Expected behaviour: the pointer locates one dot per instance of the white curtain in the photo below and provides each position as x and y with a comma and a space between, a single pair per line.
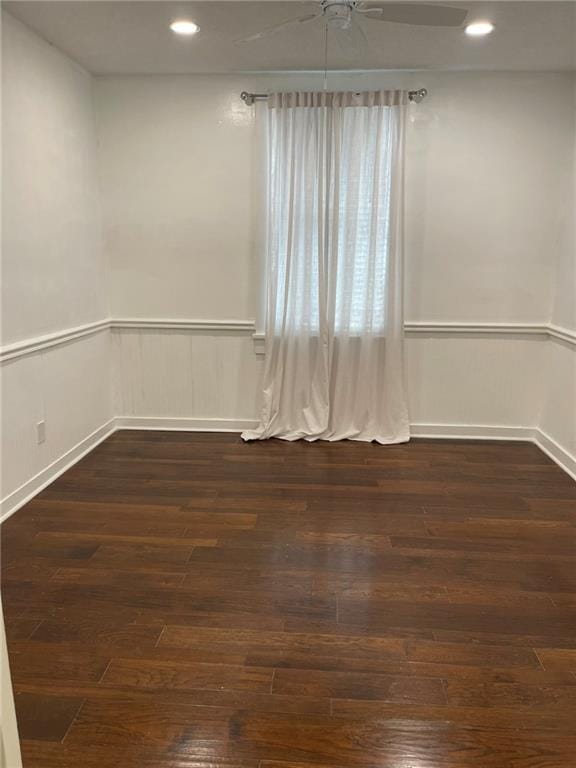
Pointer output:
334, 253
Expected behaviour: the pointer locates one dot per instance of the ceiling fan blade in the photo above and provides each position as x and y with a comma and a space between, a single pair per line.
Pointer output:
415, 13
277, 27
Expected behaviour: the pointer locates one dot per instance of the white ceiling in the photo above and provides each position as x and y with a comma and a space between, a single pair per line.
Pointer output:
134, 38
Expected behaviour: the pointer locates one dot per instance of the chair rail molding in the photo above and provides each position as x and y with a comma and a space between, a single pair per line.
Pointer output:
433, 328
39, 343
538, 331
144, 324
35, 344
562, 334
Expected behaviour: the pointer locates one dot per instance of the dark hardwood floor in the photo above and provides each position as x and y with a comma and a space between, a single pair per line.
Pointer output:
187, 600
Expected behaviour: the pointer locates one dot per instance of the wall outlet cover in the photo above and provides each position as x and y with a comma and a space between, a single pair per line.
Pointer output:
41, 431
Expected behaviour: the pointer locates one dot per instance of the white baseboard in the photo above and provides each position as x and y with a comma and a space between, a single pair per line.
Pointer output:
550, 447
184, 424
9, 504
555, 451
446, 431
472, 432
438, 431
32, 487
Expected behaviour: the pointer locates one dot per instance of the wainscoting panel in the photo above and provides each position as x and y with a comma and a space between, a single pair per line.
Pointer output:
68, 387
558, 417
185, 374
196, 376
475, 379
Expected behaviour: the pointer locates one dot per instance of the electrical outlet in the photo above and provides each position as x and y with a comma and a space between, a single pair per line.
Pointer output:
41, 431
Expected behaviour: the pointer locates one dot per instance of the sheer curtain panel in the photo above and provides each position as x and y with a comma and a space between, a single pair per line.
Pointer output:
334, 255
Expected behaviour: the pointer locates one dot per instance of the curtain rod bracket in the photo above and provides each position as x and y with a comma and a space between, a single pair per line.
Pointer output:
249, 98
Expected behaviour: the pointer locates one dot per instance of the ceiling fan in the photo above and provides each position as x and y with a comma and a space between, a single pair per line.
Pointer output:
345, 15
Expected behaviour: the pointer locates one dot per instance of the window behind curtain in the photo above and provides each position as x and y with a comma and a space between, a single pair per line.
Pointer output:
341, 179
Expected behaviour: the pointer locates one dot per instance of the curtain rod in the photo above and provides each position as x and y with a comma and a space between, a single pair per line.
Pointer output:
250, 98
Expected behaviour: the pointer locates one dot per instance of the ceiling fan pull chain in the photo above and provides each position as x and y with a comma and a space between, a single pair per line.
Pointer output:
326, 56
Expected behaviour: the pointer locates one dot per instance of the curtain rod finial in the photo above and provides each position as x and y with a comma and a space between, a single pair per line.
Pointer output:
418, 96
247, 98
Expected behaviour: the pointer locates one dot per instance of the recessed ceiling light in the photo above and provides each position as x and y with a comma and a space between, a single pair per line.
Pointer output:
479, 28
184, 27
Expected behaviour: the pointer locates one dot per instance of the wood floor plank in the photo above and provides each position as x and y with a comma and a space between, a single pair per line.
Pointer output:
496, 718
358, 685
187, 600
141, 673
557, 658
51, 755
117, 634
282, 642
461, 693
473, 654
503, 619
45, 718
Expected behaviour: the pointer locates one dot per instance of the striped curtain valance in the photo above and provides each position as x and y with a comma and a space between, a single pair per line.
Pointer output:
297, 99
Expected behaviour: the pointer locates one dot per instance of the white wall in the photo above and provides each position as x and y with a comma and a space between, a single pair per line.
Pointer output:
52, 232
53, 267
564, 286
558, 418
484, 163
487, 160
486, 169
175, 165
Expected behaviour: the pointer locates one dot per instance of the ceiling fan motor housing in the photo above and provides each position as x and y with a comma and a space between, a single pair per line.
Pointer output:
338, 12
